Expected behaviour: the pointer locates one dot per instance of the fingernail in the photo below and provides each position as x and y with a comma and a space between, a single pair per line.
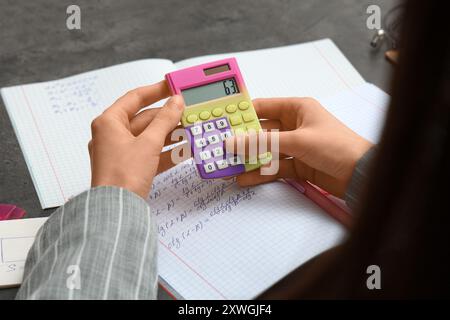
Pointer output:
177, 100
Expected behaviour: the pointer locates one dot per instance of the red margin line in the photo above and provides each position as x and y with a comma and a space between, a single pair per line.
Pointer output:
342, 79
198, 274
43, 143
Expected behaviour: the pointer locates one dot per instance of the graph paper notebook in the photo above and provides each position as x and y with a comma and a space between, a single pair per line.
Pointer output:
219, 241
52, 119
215, 239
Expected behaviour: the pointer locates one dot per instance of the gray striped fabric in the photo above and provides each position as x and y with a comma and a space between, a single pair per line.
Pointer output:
100, 245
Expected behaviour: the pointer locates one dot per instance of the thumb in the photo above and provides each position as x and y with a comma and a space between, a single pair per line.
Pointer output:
166, 119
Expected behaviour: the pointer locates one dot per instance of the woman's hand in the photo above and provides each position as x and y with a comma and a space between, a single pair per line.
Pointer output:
125, 149
322, 149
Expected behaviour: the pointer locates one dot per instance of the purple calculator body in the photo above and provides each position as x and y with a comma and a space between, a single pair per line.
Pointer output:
208, 149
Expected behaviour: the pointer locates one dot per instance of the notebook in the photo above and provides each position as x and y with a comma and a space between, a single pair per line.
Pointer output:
219, 241
52, 119
216, 241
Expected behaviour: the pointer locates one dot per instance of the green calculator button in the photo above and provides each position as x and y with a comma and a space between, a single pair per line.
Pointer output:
253, 127
243, 105
217, 112
249, 116
231, 108
191, 118
235, 120
239, 131
204, 115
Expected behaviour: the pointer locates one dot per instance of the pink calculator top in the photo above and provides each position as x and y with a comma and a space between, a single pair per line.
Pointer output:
203, 74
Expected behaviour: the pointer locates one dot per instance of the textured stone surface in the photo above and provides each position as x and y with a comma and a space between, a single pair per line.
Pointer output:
35, 45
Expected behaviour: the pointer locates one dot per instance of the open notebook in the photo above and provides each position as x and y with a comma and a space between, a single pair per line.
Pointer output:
216, 240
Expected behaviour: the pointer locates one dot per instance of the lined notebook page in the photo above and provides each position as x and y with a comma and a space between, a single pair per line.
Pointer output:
16, 238
315, 69
52, 122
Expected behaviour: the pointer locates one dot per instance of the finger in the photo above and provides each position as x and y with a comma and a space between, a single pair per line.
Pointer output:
134, 100
270, 124
286, 170
166, 159
272, 108
252, 144
166, 119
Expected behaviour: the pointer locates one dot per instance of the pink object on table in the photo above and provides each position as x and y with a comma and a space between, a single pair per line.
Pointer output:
322, 201
10, 211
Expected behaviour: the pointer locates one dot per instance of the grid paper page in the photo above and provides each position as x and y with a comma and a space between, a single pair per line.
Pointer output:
362, 109
315, 69
218, 241
52, 122
16, 238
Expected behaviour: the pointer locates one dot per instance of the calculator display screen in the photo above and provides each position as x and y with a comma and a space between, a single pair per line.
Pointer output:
210, 91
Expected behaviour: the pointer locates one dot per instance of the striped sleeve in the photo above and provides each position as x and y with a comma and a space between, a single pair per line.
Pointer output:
102, 244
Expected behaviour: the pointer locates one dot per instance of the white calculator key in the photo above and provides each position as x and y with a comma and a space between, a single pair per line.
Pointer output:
200, 142
222, 123
225, 135
213, 139
205, 155
217, 152
234, 161
209, 167
196, 130
222, 164
208, 127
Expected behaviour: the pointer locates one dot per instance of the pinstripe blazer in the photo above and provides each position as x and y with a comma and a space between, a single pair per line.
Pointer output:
102, 244
99, 245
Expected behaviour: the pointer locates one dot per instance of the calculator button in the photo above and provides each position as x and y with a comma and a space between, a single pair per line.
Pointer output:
222, 164
213, 139
253, 127
239, 131
196, 130
191, 118
234, 161
225, 135
205, 155
217, 112
248, 117
235, 120
209, 167
244, 105
265, 158
208, 126
222, 123
217, 152
231, 108
204, 115
200, 142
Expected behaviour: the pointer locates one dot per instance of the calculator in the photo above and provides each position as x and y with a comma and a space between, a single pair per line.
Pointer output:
218, 106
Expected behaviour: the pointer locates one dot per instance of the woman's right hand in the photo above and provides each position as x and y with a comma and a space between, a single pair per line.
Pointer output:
313, 144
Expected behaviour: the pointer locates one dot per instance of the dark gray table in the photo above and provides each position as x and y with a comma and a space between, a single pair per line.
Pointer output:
35, 45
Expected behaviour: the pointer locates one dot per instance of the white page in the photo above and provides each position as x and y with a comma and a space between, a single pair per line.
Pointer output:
315, 69
218, 241
16, 238
52, 122
249, 245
